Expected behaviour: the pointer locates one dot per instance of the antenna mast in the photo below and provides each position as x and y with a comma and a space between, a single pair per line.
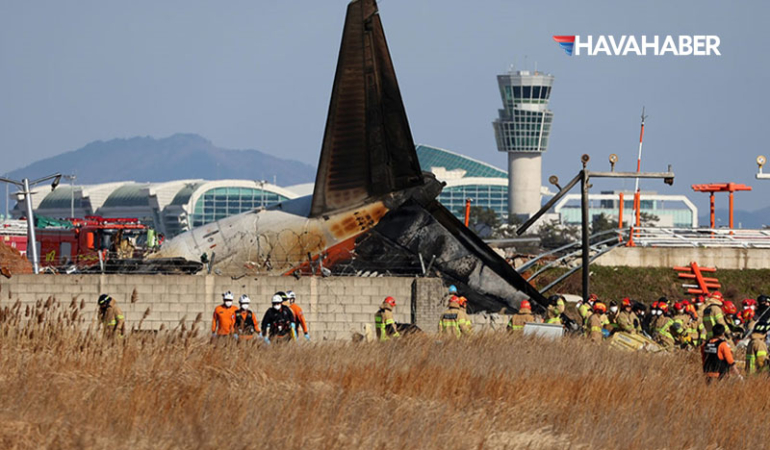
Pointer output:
637, 193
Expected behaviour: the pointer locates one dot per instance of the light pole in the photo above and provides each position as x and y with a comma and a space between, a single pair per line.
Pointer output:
583, 178
25, 185
72, 179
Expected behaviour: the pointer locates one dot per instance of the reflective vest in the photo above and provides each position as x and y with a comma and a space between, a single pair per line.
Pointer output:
712, 363
382, 325
711, 318
450, 323
245, 325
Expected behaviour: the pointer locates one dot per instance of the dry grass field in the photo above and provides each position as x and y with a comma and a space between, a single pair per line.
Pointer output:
63, 388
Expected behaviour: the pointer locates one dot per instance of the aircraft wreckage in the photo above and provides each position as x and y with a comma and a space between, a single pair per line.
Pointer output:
372, 208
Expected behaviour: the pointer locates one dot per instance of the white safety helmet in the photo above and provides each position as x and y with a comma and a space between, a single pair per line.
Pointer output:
244, 299
227, 296
277, 298
291, 295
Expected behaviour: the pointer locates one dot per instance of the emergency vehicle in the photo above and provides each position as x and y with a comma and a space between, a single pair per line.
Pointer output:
84, 242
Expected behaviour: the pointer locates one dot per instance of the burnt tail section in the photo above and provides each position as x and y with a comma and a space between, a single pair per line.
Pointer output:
368, 150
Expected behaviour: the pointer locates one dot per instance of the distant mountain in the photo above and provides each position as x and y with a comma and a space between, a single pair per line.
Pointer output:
743, 219
181, 156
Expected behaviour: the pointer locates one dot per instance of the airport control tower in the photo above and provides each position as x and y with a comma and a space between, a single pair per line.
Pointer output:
522, 131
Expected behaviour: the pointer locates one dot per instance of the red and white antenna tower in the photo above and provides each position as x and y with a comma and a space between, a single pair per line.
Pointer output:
637, 193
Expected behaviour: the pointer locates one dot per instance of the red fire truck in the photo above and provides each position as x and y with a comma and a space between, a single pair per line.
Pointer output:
13, 233
84, 242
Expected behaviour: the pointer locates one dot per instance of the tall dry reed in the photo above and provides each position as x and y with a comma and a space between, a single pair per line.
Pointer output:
63, 387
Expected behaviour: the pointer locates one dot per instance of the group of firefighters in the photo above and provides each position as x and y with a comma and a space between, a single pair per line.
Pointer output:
710, 323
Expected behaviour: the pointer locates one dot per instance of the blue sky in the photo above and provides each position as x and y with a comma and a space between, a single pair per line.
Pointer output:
258, 74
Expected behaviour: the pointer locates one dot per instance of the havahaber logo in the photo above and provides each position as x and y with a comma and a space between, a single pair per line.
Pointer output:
696, 45
566, 43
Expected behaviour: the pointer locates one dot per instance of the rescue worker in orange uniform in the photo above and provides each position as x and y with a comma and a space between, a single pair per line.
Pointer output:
246, 324
627, 321
299, 316
384, 323
661, 326
523, 316
450, 323
278, 322
756, 352
718, 361
111, 317
713, 315
223, 323
596, 322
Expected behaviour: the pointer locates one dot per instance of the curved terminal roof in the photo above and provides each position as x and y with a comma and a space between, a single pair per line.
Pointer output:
130, 194
438, 157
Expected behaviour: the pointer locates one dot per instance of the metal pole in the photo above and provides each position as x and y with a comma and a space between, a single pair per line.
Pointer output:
620, 211
72, 196
711, 205
584, 230
31, 242
7, 196
731, 210
637, 197
467, 211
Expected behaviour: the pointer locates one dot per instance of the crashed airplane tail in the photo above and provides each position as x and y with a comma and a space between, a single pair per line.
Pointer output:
367, 149
372, 208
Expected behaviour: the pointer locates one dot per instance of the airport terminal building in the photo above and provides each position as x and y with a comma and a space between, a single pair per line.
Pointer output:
177, 206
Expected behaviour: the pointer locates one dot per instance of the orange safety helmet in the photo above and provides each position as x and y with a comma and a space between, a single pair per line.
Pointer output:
717, 295
749, 303
454, 299
699, 300
663, 306
679, 307
462, 301
525, 305
728, 307
593, 297
390, 301
600, 307
654, 305
626, 301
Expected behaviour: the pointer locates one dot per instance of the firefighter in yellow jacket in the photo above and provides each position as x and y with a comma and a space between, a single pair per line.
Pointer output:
111, 317
383, 320
756, 352
451, 322
595, 322
661, 325
465, 320
627, 320
713, 315
524, 316
555, 309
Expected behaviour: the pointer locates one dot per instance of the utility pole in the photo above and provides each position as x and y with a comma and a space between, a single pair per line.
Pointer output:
584, 177
25, 185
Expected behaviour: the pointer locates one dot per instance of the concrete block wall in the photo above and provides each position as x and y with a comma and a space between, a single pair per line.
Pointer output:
721, 258
335, 308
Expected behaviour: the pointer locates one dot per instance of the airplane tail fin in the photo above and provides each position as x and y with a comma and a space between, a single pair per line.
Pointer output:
368, 148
